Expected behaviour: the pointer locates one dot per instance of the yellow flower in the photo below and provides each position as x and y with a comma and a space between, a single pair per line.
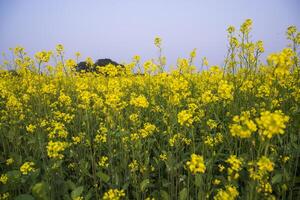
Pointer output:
89, 61
103, 162
234, 42
139, 101
4, 196
76, 139
54, 149
221, 168
134, 118
196, 164
235, 163
9, 161
230, 193
27, 167
59, 48
230, 29
185, 117
157, 41
247, 86
43, 56
212, 123
136, 58
271, 124
209, 140
70, 63
285, 159
291, 30
30, 128
163, 156
282, 62
18, 50
264, 187
149, 66
178, 139
225, 90
193, 53
134, 136
77, 54
57, 130
113, 194
208, 97
265, 164
205, 61
260, 46
3, 178
134, 166
147, 130
246, 26
235, 167
243, 126
216, 182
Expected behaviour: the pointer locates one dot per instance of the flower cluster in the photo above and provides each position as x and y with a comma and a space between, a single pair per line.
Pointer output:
271, 123
103, 162
139, 101
230, 193
243, 126
55, 149
185, 117
235, 167
196, 164
27, 167
3, 178
113, 194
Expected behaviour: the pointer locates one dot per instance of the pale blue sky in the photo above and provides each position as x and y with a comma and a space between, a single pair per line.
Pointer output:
119, 29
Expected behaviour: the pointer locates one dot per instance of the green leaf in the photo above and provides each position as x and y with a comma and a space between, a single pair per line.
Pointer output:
144, 184
24, 197
297, 179
164, 195
276, 179
40, 191
70, 185
14, 175
77, 192
89, 195
14, 178
183, 194
198, 180
34, 175
104, 177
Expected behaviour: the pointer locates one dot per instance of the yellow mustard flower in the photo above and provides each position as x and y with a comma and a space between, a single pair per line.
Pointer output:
185, 117
243, 126
103, 162
271, 123
9, 161
230, 193
30, 128
134, 166
113, 194
196, 164
265, 164
3, 178
27, 167
55, 149
139, 101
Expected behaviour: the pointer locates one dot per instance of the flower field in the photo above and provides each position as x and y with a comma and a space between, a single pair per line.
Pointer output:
139, 131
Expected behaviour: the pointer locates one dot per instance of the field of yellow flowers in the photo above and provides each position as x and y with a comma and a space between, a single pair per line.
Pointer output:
139, 132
